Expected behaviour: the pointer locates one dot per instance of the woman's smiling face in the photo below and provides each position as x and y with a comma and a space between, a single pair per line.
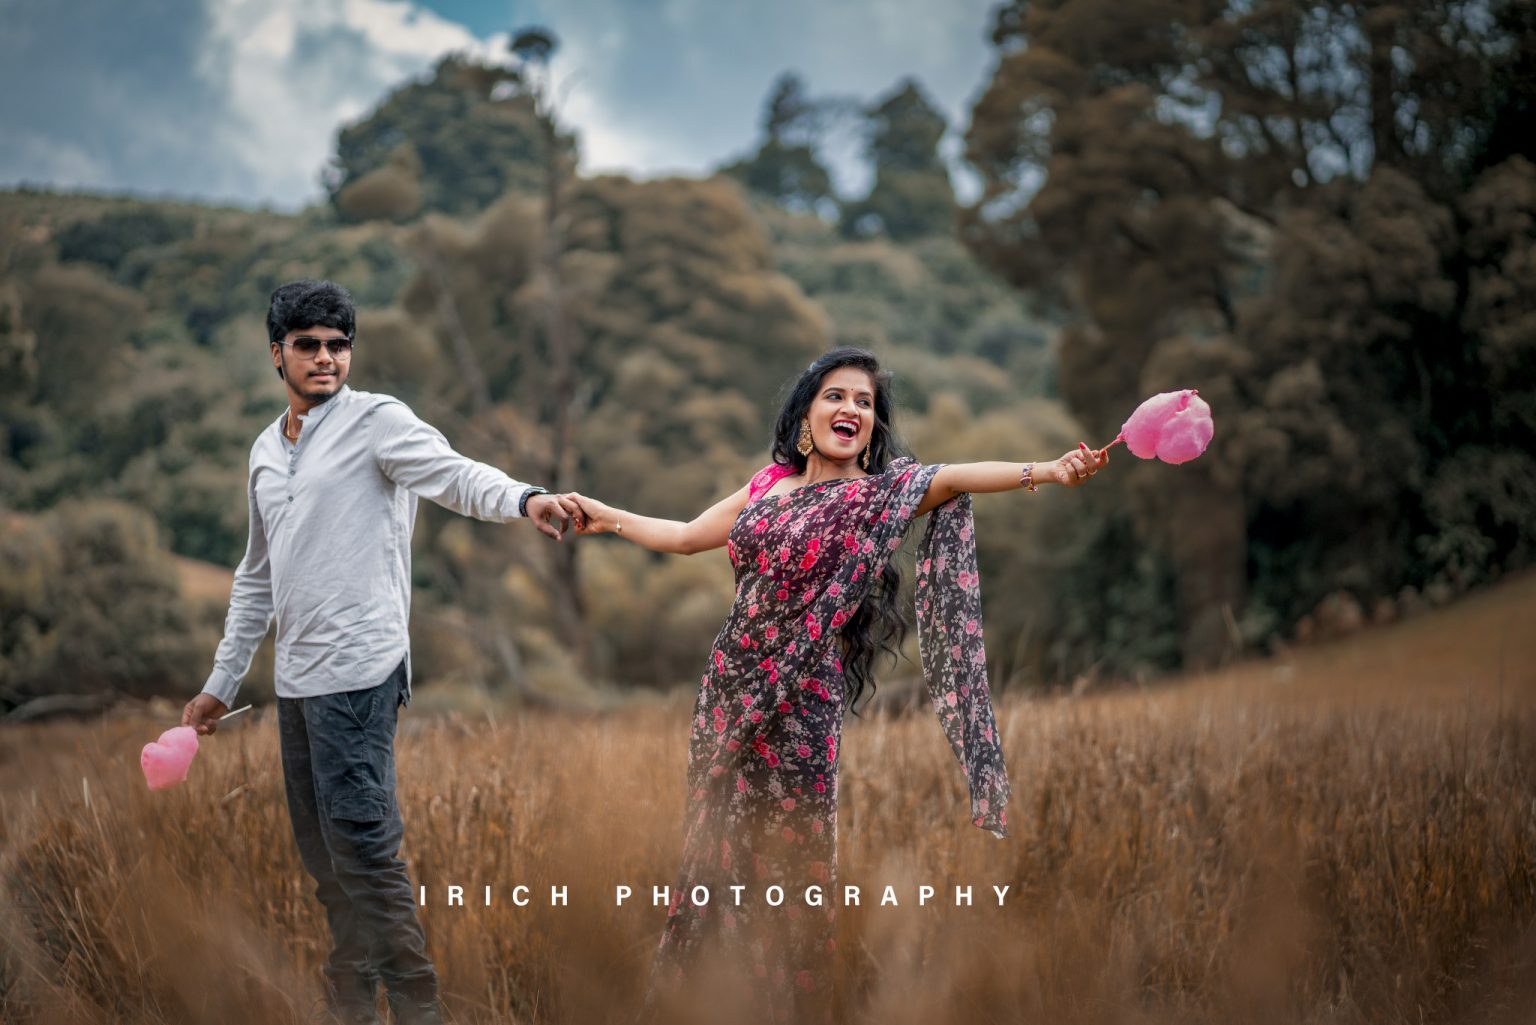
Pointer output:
842, 414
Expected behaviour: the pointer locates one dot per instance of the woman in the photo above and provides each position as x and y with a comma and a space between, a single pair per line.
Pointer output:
811, 538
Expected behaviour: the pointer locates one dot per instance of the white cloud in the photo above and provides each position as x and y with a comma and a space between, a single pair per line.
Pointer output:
296, 70
242, 99
609, 142
400, 28
678, 86
59, 160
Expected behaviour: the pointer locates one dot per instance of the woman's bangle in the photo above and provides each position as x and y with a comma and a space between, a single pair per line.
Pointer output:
618, 528
1027, 477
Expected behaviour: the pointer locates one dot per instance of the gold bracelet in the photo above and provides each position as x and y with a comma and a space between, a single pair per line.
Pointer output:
1027, 477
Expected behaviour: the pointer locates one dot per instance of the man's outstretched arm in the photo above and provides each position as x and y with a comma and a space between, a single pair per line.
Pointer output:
415, 455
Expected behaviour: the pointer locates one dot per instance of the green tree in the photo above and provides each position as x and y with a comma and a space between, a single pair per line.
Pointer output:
945, 322
391, 192
786, 166
911, 195
18, 345
89, 602
474, 131
1264, 202
679, 320
108, 239
85, 328
1507, 133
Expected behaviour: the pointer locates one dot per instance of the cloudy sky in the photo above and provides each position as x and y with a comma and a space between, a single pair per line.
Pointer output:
239, 100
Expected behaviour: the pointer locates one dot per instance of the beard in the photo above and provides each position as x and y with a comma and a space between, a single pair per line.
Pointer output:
297, 382
319, 397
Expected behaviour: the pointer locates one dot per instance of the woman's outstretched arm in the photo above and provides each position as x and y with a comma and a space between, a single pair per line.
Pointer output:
705, 531
1072, 469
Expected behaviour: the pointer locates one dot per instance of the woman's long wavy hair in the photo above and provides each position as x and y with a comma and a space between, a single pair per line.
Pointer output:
879, 624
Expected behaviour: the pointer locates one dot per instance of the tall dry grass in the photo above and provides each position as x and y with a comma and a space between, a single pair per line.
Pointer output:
1346, 835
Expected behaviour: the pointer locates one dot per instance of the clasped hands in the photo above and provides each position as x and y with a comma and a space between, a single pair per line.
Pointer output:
553, 514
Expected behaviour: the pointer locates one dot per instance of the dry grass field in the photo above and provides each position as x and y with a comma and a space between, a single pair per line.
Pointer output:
1344, 835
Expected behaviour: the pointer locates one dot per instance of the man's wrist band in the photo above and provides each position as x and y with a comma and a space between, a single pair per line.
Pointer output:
522, 503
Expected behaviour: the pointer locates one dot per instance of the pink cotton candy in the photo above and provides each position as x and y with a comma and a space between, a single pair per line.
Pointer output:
165, 761
1174, 427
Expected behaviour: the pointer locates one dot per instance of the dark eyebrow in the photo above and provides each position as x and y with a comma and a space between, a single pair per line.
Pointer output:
864, 393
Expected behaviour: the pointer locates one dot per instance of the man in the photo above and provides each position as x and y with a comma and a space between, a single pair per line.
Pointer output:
332, 489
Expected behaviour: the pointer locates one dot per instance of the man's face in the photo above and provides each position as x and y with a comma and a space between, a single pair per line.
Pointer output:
313, 378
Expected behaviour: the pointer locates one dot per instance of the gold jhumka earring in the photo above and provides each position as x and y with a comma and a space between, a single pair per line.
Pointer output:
805, 444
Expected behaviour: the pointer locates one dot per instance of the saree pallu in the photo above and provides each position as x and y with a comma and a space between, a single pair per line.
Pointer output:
767, 727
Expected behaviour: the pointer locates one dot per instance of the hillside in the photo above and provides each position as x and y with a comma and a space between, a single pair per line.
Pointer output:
1477, 650
140, 375
1467, 651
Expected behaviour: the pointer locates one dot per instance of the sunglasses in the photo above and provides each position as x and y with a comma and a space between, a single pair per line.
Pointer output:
308, 347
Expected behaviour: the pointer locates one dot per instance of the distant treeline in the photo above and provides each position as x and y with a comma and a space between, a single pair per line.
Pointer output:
1329, 241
